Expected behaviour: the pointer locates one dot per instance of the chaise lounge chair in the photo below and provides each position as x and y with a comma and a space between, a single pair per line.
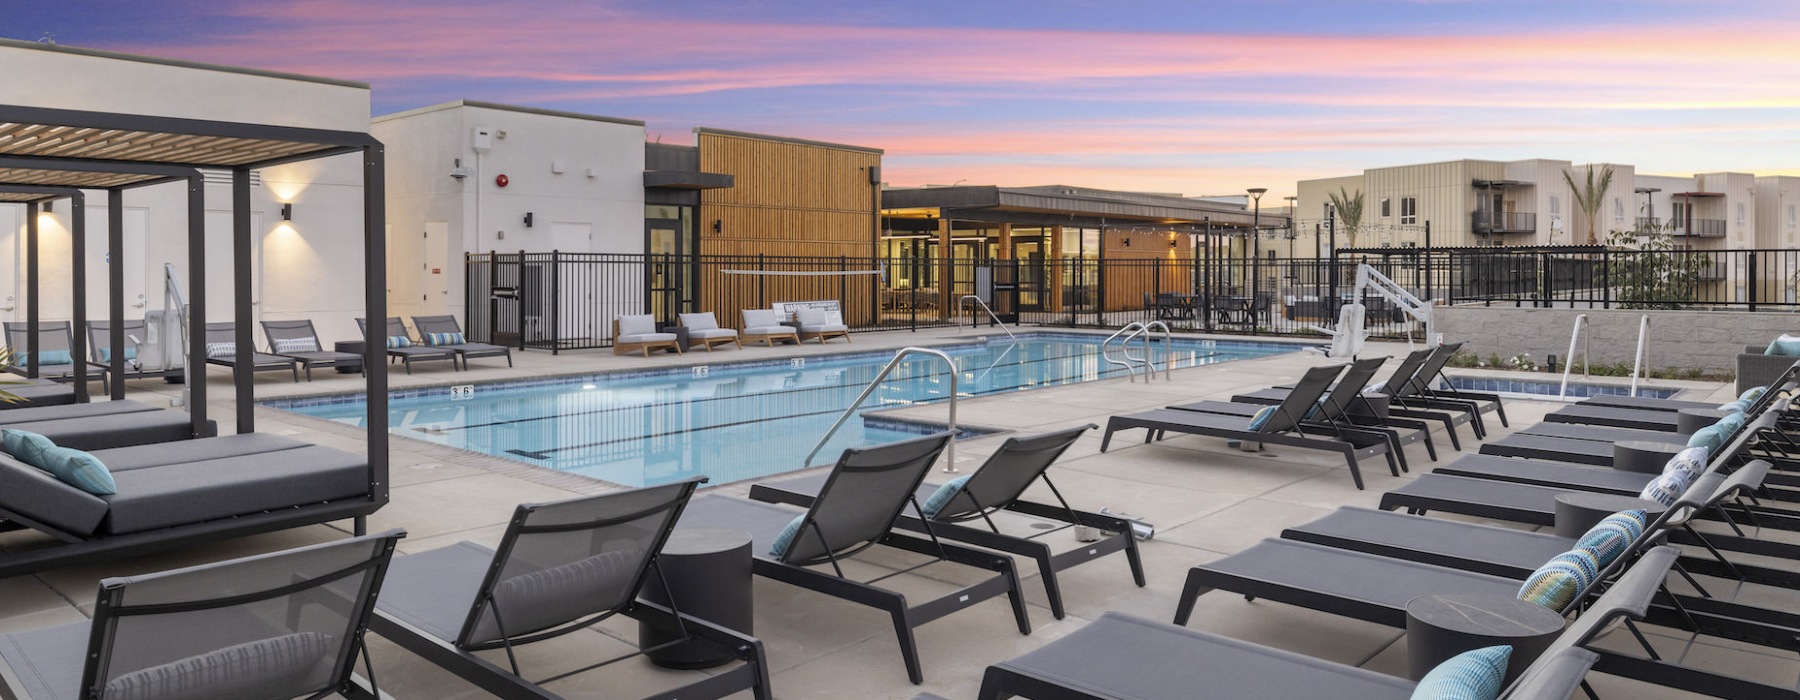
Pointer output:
765, 325
296, 340
999, 485
105, 424
1281, 427
1398, 416
400, 345
855, 511
703, 329
222, 350
444, 333
1119, 657
637, 333
561, 567
55, 343
1420, 391
1333, 415
281, 625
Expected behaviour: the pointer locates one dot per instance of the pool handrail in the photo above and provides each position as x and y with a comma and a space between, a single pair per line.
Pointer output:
1641, 357
991, 314
949, 449
1569, 360
1137, 329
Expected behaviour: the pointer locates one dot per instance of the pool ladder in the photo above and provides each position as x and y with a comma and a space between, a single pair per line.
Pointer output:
1640, 358
949, 449
1581, 322
1137, 329
990, 313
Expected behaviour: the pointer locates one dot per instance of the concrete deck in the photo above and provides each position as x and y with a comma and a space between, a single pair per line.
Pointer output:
1205, 499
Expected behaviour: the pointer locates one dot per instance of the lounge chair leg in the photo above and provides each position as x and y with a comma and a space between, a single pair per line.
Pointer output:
1052, 589
1500, 411
1015, 597
1190, 594
1131, 557
1355, 471
909, 648
360, 525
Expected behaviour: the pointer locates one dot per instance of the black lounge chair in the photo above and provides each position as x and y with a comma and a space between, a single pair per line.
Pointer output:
222, 350
296, 340
429, 326
1656, 404
173, 495
1335, 416
999, 485
854, 511
1282, 428
407, 354
1426, 384
1417, 391
104, 424
55, 360
560, 568
282, 625
1121, 657
1394, 415
1650, 419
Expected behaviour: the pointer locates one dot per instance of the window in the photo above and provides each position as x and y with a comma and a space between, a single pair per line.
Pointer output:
1793, 215
1678, 214
1325, 211
1555, 206
1618, 210
1740, 213
1409, 210
1386, 208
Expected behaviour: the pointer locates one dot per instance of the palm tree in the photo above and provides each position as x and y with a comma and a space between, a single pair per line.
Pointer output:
1349, 209
1591, 197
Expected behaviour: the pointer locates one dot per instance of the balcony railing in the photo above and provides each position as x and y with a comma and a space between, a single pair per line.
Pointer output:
1504, 222
1699, 228
1649, 223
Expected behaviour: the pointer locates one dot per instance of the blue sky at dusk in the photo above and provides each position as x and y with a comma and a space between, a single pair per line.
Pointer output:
1192, 97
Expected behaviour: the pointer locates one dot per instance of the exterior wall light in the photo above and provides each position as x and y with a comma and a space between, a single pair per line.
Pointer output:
528, 219
287, 211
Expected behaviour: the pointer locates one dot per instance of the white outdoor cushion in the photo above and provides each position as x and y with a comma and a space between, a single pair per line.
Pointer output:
824, 328
810, 316
644, 338
770, 330
637, 325
699, 322
705, 333
761, 318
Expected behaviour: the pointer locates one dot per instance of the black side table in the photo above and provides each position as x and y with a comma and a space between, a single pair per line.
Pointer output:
681, 334
1691, 420
1579, 511
1444, 625
708, 570
355, 347
1644, 456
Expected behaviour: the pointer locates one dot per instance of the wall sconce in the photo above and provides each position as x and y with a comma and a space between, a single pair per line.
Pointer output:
1172, 241
49, 207
287, 211
527, 219
1125, 241
718, 225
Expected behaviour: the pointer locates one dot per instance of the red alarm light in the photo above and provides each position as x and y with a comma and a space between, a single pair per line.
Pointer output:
501, 180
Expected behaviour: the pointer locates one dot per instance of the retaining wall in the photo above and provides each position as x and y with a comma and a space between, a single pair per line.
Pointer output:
1709, 340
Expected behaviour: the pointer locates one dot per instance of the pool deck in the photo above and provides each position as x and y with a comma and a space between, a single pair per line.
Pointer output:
1205, 499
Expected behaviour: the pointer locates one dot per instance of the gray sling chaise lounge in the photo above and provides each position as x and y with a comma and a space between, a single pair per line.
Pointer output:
999, 485
430, 327
282, 625
1655, 404
854, 511
296, 340
55, 346
104, 424
1419, 391
1282, 428
1119, 657
406, 354
1395, 415
222, 350
173, 495
1334, 416
561, 567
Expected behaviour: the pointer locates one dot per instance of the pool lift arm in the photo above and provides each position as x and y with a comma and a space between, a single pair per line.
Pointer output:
1350, 335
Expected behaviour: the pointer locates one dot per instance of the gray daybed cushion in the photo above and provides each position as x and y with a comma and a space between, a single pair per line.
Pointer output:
191, 492
159, 454
32, 493
79, 410
100, 432
39, 393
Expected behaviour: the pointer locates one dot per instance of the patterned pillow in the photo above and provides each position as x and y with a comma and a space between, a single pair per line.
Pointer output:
284, 666
287, 345
1691, 460
1734, 407
1709, 437
1562, 580
221, 349
442, 338
1614, 534
1471, 675
943, 496
78, 469
1262, 417
26, 446
1666, 488
786, 539
398, 341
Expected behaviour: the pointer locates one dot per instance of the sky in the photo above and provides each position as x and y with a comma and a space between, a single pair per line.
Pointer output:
1194, 97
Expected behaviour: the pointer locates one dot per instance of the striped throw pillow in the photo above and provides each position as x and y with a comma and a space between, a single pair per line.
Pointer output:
1668, 487
286, 345
442, 338
399, 341
1562, 580
221, 349
1471, 675
1610, 537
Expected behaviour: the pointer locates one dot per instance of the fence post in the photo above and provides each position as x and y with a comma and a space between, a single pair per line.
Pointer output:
1751, 277
761, 282
1606, 278
1546, 289
523, 296
1206, 303
555, 302
843, 284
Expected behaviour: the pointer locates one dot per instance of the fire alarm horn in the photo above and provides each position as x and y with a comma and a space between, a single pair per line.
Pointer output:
501, 180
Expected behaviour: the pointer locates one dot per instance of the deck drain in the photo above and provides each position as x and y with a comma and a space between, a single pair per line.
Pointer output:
1042, 526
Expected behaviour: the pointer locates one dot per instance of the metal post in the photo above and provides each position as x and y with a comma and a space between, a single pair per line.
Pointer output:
1331, 302
1426, 261
31, 283
115, 298
1206, 290
375, 306
196, 359
78, 277
1750, 279
526, 297
556, 302
241, 376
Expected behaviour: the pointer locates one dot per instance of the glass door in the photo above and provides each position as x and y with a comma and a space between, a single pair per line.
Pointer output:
665, 273
1030, 257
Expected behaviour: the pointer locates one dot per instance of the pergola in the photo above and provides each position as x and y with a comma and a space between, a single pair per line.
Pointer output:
49, 154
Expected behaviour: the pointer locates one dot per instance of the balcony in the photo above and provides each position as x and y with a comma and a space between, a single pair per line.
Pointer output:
1649, 223
1487, 222
1698, 228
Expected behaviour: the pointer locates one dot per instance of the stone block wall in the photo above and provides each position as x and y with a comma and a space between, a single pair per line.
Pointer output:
1708, 340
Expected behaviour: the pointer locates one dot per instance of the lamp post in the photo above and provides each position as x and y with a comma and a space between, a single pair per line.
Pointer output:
1256, 194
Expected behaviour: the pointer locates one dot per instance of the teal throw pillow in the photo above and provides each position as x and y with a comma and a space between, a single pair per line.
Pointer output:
786, 539
943, 496
79, 469
399, 341
106, 353
1784, 345
442, 338
1562, 580
1730, 424
1610, 537
1667, 488
1691, 460
1262, 417
46, 357
26, 446
1471, 675
1709, 437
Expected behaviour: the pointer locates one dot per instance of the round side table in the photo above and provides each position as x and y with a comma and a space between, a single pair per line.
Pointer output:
1689, 420
1444, 625
708, 570
1643, 456
1576, 512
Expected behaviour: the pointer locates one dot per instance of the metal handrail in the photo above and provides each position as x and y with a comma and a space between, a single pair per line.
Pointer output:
949, 449
1569, 359
990, 312
1641, 357
1132, 328
1149, 364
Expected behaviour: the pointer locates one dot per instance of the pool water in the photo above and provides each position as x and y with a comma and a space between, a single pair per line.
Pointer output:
1552, 388
735, 421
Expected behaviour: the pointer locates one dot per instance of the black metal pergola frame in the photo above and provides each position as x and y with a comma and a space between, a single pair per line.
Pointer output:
48, 154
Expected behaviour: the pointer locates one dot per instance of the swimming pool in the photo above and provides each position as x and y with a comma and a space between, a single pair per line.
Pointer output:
732, 421
1542, 389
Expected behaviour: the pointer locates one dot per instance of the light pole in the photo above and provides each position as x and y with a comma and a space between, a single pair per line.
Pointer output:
1256, 194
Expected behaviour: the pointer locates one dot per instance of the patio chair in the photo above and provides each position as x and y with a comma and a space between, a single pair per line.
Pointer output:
765, 325
400, 345
997, 486
222, 350
1334, 415
561, 567
445, 333
105, 424
1651, 419
296, 340
268, 627
55, 343
1119, 656
816, 323
99, 342
1419, 391
703, 329
1280, 427
854, 512
637, 333
1409, 365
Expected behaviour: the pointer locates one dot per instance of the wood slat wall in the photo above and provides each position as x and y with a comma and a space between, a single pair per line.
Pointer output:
788, 198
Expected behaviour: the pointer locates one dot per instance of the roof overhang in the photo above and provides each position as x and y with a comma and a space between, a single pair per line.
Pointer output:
1068, 206
687, 180
1693, 195
1501, 184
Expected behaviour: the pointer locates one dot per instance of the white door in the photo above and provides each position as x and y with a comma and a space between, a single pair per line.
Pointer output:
137, 291
435, 271
12, 240
220, 291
